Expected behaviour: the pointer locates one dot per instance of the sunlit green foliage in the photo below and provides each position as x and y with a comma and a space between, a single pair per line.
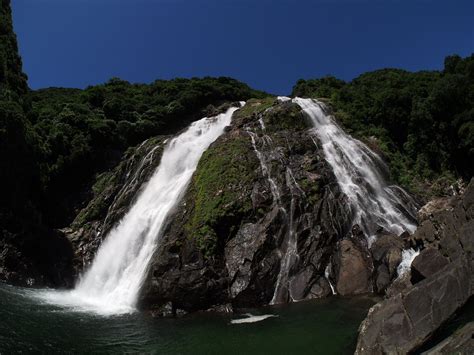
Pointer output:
218, 194
83, 132
423, 121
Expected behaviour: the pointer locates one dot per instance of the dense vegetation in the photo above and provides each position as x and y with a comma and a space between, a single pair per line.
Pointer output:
82, 132
17, 166
423, 122
53, 142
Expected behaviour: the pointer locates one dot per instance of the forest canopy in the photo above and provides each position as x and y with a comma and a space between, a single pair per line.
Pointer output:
422, 121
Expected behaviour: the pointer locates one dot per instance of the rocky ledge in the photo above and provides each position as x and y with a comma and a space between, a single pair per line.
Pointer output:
441, 281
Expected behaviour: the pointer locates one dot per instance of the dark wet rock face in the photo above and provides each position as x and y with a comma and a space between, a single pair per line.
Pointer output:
262, 221
27, 260
352, 269
259, 222
442, 282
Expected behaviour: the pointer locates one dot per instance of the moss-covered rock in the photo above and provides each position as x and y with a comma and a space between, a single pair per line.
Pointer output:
262, 186
219, 196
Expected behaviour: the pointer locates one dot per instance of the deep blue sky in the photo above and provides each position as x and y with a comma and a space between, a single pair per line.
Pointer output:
268, 44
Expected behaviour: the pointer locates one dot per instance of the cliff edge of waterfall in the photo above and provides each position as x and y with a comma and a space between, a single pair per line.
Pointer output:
263, 221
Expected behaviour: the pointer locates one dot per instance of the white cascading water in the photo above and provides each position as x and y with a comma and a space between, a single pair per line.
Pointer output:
408, 256
357, 170
113, 282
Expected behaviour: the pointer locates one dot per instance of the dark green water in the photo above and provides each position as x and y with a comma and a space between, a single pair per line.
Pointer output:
315, 327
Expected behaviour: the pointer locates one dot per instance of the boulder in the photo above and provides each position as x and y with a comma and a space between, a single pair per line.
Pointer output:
321, 288
433, 206
402, 323
427, 263
461, 342
386, 253
443, 273
352, 269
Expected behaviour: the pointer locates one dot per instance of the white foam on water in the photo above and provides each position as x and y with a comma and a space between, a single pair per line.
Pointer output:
252, 319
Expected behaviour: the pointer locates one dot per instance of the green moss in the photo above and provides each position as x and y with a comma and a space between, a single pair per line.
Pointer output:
218, 192
287, 117
254, 107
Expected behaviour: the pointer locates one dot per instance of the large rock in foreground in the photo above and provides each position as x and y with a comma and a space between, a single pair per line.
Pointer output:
461, 342
352, 269
443, 282
403, 322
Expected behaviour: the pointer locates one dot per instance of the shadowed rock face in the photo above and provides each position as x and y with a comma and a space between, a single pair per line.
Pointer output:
443, 276
461, 342
429, 262
352, 268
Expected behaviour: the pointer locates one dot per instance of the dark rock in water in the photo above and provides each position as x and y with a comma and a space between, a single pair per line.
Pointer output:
352, 269
427, 263
221, 308
321, 288
302, 285
461, 342
165, 310
445, 279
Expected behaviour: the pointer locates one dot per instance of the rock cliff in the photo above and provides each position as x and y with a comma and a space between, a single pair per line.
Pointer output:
441, 280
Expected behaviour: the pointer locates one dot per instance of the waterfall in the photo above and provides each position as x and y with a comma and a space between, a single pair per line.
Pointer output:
266, 171
408, 256
282, 291
360, 174
112, 283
